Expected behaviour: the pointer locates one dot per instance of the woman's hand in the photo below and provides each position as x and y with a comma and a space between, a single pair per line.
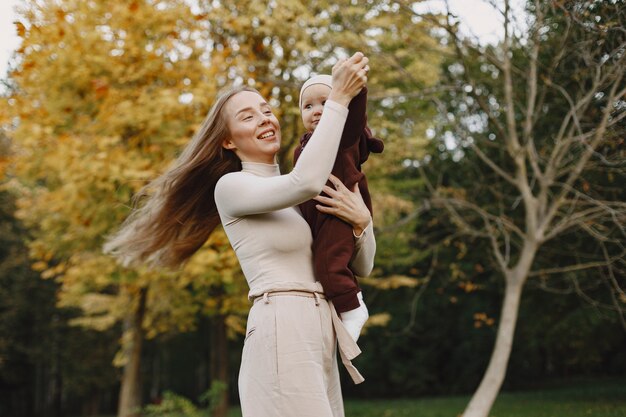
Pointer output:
349, 77
345, 204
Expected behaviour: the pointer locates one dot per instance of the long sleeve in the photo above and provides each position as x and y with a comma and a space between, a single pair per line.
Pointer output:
241, 193
356, 121
362, 261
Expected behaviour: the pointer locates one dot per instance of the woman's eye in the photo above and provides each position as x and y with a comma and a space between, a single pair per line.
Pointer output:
268, 112
247, 118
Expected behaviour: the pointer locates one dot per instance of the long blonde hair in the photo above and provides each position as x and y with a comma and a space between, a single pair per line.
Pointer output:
174, 214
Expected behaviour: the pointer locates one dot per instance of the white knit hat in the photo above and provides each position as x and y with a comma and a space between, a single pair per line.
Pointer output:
318, 79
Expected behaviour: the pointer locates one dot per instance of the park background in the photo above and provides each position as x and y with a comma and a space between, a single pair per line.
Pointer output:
499, 202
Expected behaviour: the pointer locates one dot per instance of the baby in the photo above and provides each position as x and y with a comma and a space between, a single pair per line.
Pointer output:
333, 239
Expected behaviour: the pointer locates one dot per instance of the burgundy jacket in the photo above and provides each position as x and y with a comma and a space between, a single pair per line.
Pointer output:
333, 243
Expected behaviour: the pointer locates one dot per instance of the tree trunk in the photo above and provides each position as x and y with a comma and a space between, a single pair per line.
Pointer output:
484, 397
130, 390
53, 401
91, 406
219, 364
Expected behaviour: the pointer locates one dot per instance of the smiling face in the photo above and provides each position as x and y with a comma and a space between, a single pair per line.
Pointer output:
313, 99
254, 130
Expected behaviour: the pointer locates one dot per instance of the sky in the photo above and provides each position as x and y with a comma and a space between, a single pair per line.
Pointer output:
477, 17
8, 36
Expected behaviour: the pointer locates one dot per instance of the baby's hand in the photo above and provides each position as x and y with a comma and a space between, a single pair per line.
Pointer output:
349, 77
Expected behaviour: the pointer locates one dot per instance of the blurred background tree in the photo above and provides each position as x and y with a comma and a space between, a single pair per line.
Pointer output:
103, 99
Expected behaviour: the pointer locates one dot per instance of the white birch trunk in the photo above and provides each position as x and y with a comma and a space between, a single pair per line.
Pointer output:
486, 394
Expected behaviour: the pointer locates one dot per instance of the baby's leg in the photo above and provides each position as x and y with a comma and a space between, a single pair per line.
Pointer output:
333, 248
354, 320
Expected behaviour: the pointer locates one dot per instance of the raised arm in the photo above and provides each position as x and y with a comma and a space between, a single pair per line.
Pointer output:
356, 121
239, 194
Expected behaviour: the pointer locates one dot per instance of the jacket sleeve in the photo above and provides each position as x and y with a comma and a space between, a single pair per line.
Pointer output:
356, 121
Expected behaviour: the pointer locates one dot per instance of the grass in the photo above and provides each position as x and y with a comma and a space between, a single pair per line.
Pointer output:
605, 398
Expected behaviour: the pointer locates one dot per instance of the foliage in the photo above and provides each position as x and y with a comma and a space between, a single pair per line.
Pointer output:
42, 357
100, 128
174, 405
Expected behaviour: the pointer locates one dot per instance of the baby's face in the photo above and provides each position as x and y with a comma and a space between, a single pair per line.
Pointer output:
313, 99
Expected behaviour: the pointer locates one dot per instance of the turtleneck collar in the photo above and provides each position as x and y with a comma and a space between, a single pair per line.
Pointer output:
261, 169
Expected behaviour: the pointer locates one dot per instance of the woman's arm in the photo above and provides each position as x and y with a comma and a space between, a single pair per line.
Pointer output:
240, 194
362, 261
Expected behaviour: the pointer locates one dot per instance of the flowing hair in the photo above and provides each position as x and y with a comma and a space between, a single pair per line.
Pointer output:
174, 214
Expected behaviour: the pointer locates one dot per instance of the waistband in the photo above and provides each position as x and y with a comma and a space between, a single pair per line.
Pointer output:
348, 349
296, 293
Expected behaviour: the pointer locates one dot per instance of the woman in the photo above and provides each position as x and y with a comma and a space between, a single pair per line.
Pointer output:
228, 174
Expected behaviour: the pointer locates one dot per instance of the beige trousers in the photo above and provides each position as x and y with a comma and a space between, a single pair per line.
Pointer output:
289, 362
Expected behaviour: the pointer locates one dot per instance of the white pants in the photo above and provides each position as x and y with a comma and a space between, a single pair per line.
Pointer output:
289, 362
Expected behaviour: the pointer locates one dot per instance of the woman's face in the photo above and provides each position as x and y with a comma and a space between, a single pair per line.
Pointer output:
254, 130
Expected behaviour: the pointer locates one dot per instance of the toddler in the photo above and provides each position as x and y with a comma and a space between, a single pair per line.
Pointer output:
333, 239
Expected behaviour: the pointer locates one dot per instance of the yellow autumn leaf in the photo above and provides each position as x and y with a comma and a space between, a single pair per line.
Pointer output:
390, 282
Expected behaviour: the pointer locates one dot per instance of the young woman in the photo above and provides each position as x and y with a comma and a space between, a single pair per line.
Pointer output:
228, 174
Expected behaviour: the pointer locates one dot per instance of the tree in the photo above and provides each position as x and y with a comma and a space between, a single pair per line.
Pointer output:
44, 359
541, 130
104, 95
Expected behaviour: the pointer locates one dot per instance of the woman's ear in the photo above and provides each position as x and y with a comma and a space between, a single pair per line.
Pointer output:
228, 144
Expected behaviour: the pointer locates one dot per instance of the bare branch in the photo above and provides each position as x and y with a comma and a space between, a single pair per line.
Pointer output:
511, 137
482, 213
425, 206
533, 157
553, 66
456, 217
532, 76
594, 233
483, 105
576, 171
493, 165
562, 147
543, 285
451, 30
572, 268
425, 93
418, 294
573, 112
466, 227
614, 287
577, 219
502, 260
587, 298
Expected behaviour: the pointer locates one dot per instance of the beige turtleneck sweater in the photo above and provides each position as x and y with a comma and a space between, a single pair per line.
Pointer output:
258, 209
